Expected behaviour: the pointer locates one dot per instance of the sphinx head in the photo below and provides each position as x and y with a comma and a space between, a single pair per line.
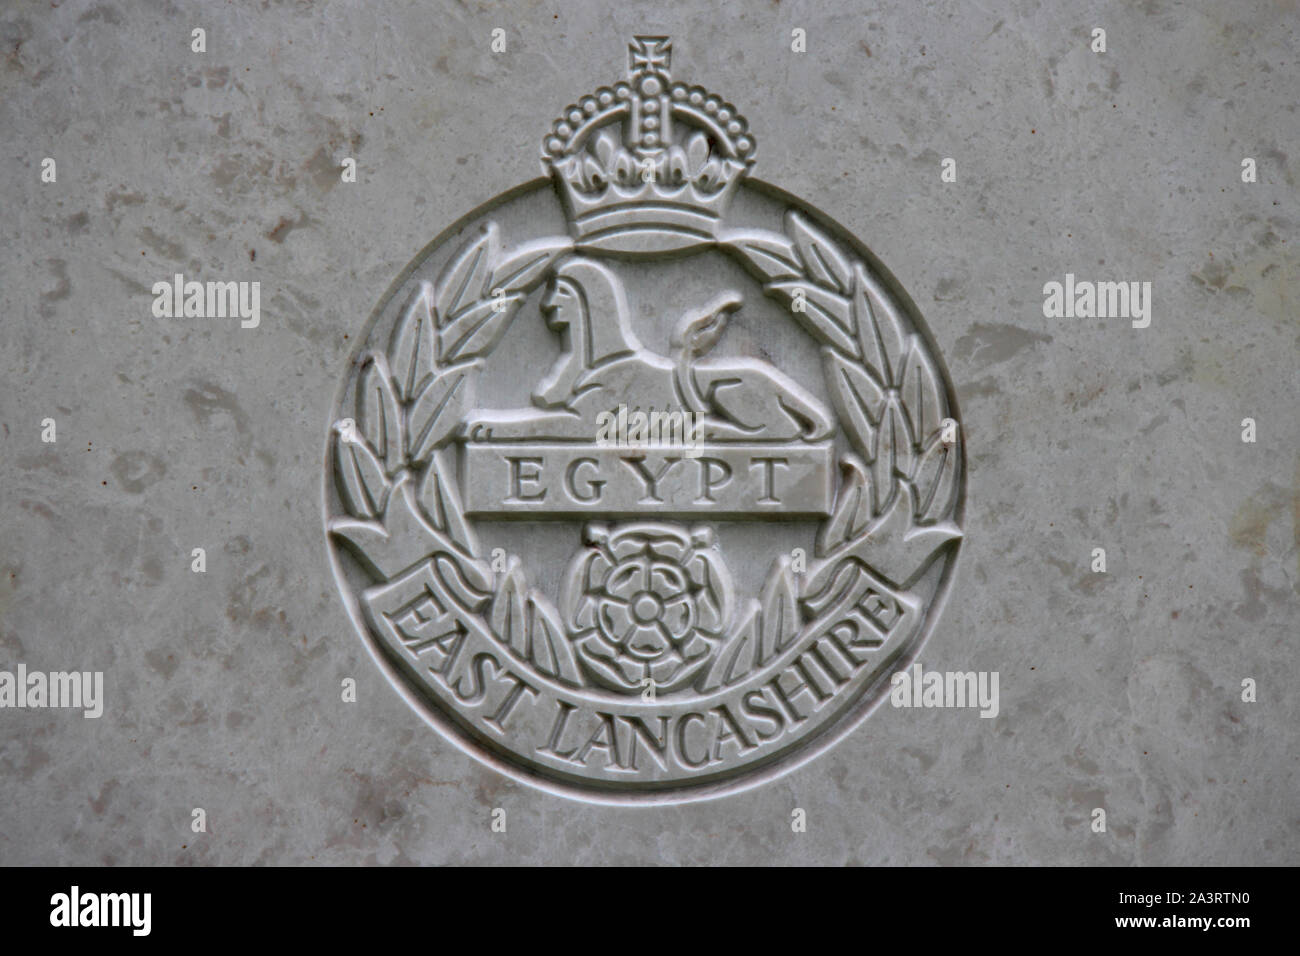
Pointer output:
562, 304
586, 305
586, 299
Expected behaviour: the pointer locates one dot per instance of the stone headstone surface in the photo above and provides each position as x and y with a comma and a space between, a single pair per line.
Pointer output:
985, 323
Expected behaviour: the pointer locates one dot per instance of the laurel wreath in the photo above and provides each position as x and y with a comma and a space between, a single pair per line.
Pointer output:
893, 505
410, 403
898, 489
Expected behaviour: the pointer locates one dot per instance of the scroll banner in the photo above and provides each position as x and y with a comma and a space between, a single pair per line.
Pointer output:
469, 672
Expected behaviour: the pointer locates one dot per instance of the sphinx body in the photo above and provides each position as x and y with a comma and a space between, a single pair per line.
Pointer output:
603, 366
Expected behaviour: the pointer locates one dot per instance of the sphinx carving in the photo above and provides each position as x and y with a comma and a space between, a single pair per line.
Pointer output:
604, 365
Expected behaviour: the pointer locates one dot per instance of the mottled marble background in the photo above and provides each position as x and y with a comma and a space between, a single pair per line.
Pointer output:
1119, 690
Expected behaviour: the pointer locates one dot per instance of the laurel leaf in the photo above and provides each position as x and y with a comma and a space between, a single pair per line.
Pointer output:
379, 416
825, 314
527, 264
767, 627
507, 614
895, 548
879, 331
852, 508
464, 280
770, 256
928, 466
548, 646
828, 581
441, 504
477, 329
411, 352
780, 613
936, 482
857, 398
884, 466
919, 387
436, 413
904, 445
431, 498
362, 538
362, 484
823, 260
872, 351
739, 654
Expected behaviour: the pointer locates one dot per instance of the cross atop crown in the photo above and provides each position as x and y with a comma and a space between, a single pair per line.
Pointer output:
648, 56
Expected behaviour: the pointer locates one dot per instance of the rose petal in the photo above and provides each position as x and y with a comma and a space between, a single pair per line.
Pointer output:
667, 581
627, 579
648, 639
678, 615
615, 620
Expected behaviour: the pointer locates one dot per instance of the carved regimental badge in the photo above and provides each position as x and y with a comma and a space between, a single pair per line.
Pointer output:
646, 476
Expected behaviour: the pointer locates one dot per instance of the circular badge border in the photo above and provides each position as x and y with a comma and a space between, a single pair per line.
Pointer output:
800, 751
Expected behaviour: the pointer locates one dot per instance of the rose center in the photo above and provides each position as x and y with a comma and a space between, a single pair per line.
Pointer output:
646, 607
